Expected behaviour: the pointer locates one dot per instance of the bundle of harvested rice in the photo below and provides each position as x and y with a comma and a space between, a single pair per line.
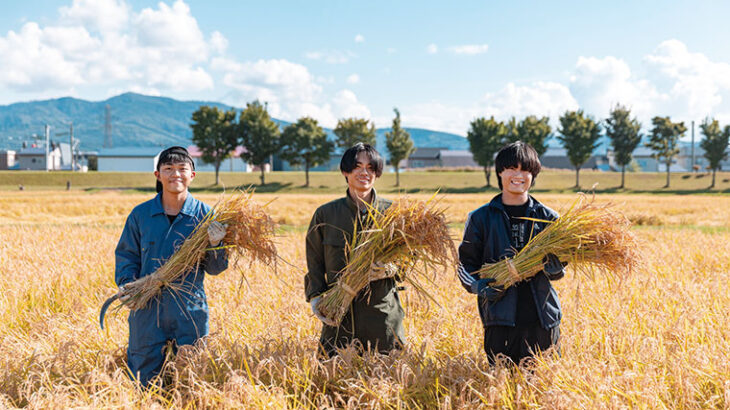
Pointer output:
413, 235
250, 233
590, 237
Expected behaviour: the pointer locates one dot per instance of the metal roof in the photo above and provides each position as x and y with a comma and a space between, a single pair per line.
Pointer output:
148, 152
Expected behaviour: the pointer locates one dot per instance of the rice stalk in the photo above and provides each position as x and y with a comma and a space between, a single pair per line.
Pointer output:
590, 237
250, 234
413, 235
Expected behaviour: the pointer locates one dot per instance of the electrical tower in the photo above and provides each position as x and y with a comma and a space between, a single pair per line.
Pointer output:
108, 127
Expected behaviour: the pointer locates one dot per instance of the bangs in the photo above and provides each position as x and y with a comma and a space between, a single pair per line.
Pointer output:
518, 154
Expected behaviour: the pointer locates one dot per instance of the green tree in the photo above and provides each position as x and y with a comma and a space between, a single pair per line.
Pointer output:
664, 140
624, 134
715, 144
350, 131
215, 135
486, 137
305, 143
579, 135
399, 144
259, 135
532, 130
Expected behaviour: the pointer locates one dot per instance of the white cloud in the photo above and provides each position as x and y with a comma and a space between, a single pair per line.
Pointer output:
390, 50
172, 31
359, 38
353, 79
539, 98
98, 15
469, 49
432, 49
690, 83
347, 105
600, 84
331, 56
218, 42
30, 64
671, 81
103, 43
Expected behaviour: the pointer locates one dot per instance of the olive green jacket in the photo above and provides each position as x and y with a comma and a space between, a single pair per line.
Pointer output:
376, 316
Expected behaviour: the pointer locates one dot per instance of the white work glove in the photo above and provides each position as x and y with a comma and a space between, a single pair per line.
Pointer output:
123, 295
320, 316
216, 233
380, 270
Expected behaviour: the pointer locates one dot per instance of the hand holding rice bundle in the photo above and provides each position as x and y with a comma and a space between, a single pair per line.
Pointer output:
250, 232
407, 232
589, 236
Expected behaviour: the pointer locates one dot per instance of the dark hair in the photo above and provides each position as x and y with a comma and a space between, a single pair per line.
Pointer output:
173, 155
517, 154
349, 159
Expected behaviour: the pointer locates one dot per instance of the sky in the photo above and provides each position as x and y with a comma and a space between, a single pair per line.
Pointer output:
442, 64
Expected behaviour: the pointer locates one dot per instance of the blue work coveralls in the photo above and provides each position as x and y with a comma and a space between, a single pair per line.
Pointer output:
148, 240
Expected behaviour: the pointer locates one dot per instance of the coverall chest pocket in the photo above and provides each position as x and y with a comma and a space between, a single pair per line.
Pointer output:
334, 255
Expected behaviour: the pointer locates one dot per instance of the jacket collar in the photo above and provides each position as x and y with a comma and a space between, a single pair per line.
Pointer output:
496, 203
351, 202
187, 208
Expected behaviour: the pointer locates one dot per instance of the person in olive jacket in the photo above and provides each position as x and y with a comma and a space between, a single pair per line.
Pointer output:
375, 319
524, 318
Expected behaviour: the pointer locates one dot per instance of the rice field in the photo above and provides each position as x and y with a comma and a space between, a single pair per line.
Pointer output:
658, 339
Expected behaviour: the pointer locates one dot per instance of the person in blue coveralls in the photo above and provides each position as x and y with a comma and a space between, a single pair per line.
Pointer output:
152, 233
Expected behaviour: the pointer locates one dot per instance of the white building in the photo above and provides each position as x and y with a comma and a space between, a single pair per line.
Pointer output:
34, 158
7, 159
232, 164
127, 159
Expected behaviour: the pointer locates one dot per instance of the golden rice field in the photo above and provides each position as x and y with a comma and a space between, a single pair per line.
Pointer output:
660, 339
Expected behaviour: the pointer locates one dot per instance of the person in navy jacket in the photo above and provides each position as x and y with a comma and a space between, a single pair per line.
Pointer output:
524, 318
152, 233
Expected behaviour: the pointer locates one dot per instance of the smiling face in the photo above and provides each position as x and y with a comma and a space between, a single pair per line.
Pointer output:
175, 177
362, 178
516, 182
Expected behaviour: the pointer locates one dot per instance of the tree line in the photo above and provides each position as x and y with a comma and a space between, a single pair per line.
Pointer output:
579, 134
217, 134
304, 143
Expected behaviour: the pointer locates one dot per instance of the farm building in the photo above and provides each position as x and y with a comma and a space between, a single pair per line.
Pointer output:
34, 158
7, 159
128, 159
232, 164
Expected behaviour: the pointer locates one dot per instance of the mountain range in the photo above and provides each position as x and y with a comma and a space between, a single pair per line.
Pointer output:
140, 121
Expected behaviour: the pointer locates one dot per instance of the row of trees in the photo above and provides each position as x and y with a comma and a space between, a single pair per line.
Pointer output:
579, 134
217, 134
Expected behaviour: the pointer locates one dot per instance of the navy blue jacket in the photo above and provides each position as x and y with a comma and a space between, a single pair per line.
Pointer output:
487, 240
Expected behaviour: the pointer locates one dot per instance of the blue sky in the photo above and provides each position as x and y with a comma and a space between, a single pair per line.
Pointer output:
442, 64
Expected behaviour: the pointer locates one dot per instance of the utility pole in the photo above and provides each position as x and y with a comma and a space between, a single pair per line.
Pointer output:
693, 146
48, 137
73, 162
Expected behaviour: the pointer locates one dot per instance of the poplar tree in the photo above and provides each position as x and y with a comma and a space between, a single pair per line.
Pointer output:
259, 135
579, 135
350, 131
715, 144
664, 140
486, 137
305, 143
399, 144
215, 135
624, 134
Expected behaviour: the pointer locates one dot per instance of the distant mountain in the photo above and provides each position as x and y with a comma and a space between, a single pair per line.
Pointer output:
138, 121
